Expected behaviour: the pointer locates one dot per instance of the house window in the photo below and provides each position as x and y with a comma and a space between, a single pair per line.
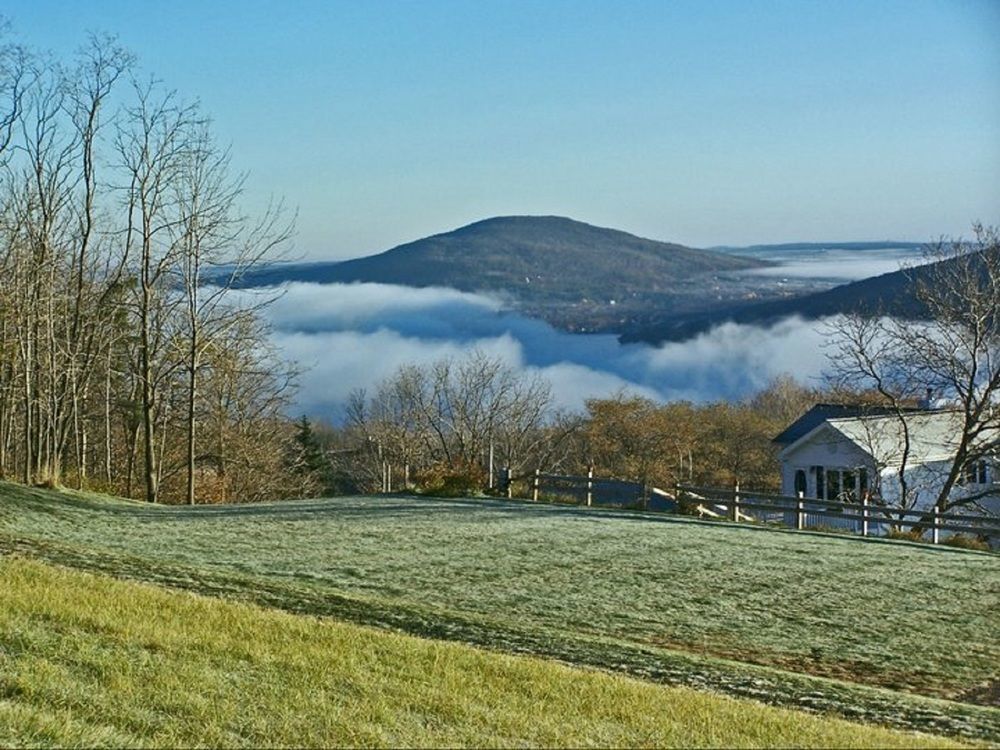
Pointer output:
849, 486
800, 482
977, 472
844, 485
833, 484
820, 485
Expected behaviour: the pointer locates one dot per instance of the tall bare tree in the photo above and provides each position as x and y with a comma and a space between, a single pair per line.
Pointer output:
154, 143
121, 235
218, 246
953, 351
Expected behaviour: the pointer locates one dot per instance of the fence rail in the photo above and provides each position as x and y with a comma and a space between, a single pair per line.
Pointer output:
589, 490
864, 516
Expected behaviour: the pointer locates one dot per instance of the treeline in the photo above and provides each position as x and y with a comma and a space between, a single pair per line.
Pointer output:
441, 428
126, 363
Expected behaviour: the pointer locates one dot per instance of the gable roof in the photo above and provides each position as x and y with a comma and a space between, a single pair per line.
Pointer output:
821, 413
934, 435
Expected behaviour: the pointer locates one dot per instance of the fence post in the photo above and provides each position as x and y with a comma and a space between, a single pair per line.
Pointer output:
800, 510
736, 502
864, 514
936, 533
590, 485
534, 486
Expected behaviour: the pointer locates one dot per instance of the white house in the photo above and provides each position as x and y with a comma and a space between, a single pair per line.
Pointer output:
838, 452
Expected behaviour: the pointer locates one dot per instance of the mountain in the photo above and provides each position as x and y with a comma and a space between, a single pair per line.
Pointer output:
522, 255
575, 275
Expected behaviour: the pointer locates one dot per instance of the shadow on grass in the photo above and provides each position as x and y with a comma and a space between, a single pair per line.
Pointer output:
765, 684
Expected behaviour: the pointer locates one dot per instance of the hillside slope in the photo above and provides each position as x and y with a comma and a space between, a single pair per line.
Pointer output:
889, 294
801, 626
83, 664
574, 275
525, 256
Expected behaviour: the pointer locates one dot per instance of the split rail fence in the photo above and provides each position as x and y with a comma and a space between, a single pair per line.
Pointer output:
588, 490
864, 517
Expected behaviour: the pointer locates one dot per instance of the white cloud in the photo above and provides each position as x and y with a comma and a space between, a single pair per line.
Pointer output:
353, 336
839, 265
732, 359
347, 306
335, 363
573, 384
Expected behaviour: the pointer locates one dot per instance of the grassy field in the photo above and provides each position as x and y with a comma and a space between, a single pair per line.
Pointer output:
891, 633
82, 662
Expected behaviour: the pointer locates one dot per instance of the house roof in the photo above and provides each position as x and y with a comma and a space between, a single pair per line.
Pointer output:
934, 435
820, 413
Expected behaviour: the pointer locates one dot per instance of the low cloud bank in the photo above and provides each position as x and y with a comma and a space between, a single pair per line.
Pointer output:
349, 336
840, 265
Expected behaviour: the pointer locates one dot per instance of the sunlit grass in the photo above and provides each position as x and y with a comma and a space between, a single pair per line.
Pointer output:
871, 631
86, 660
880, 614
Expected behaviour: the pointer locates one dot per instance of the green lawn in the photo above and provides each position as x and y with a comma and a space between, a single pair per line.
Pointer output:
874, 631
85, 660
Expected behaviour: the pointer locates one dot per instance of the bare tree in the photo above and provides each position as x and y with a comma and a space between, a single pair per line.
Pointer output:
952, 352
117, 255
15, 77
153, 144
454, 414
217, 245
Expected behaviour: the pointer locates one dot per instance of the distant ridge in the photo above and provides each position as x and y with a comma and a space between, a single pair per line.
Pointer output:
811, 246
526, 256
584, 278
574, 275
888, 294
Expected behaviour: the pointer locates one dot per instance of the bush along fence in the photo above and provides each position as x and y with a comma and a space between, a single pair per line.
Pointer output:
862, 517
588, 490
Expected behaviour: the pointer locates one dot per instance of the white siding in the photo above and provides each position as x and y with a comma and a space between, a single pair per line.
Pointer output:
826, 448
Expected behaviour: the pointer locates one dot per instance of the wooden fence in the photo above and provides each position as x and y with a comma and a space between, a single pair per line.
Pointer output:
862, 517
588, 490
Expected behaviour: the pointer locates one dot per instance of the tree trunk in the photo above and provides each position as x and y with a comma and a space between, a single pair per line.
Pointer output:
192, 395
148, 422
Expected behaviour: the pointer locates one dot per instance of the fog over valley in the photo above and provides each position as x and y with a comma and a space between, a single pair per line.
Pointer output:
838, 265
349, 336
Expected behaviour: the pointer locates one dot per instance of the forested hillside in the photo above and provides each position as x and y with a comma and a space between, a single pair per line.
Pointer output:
572, 274
524, 255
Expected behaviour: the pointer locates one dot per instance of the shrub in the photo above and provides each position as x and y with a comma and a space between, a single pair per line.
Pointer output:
966, 542
448, 480
908, 535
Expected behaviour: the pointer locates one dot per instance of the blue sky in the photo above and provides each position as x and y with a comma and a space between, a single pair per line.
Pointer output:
698, 122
